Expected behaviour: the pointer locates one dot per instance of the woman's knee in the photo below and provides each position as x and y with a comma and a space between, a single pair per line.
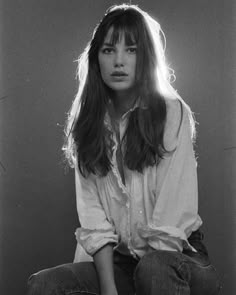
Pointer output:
159, 262
54, 280
42, 282
161, 267
76, 277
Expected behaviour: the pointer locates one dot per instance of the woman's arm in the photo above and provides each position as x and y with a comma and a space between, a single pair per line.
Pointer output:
103, 260
175, 213
96, 230
96, 234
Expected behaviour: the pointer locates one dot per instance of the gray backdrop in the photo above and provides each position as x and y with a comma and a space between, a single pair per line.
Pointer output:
39, 42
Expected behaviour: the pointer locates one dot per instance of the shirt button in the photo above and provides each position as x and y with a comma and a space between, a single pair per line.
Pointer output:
127, 205
141, 212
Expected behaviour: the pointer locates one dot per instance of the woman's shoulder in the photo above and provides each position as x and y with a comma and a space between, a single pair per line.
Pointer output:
173, 109
178, 115
177, 110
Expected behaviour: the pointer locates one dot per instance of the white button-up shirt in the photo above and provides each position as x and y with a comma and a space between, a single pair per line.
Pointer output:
156, 209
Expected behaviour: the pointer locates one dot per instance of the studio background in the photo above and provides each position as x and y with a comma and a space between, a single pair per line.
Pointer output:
39, 43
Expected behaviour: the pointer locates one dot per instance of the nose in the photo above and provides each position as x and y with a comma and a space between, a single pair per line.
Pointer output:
119, 59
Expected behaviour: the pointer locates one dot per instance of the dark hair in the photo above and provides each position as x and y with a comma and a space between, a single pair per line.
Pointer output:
86, 134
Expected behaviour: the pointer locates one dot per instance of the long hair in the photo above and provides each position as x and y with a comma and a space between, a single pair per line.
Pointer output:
86, 133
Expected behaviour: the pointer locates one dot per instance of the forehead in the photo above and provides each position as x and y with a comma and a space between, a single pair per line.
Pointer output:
117, 35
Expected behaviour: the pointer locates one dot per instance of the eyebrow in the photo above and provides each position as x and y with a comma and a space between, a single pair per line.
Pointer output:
111, 45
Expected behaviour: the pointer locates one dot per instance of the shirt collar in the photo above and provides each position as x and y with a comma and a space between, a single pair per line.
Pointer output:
107, 119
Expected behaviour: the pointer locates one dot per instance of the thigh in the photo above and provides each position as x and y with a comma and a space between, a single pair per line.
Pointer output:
169, 272
75, 279
122, 272
72, 278
159, 272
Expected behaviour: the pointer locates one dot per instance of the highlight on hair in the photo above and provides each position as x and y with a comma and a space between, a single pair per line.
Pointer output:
85, 133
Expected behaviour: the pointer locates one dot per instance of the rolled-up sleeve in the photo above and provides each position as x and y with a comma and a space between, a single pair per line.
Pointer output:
96, 230
175, 213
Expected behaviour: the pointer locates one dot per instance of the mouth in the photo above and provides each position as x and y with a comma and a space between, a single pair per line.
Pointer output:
119, 74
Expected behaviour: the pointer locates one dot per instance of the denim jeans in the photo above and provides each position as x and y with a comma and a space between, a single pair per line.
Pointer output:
156, 273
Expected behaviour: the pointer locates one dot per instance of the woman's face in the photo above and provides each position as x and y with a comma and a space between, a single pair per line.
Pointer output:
117, 63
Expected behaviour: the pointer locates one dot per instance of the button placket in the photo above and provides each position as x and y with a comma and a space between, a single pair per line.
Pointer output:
123, 188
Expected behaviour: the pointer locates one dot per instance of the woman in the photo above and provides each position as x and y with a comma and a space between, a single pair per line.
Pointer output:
129, 137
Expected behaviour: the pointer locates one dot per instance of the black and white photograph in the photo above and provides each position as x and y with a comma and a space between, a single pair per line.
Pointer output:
117, 147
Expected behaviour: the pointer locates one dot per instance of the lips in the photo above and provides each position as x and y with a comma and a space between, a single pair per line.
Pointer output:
119, 74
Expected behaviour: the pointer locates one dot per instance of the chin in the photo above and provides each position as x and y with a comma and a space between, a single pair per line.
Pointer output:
120, 87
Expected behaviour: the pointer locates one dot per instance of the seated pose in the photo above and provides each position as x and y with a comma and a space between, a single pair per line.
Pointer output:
129, 137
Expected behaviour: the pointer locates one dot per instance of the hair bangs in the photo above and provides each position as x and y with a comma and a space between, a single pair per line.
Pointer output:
120, 30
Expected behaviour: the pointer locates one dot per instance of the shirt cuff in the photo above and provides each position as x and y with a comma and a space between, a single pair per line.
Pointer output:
94, 240
168, 238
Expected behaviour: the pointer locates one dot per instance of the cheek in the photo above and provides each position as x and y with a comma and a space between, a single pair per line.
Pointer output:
104, 73
104, 65
133, 63
133, 66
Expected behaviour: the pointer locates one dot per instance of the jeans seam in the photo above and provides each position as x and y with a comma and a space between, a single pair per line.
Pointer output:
192, 261
202, 266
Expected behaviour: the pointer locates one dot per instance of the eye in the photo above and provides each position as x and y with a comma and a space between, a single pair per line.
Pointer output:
132, 50
107, 50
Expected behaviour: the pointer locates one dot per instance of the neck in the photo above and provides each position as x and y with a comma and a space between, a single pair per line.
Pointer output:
122, 102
